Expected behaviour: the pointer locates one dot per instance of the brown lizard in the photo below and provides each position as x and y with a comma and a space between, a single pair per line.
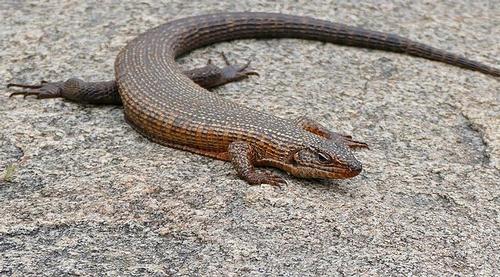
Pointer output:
174, 108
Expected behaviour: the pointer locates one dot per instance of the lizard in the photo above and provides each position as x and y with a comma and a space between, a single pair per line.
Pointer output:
175, 108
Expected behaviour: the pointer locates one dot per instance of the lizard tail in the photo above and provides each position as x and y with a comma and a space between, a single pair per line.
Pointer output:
229, 26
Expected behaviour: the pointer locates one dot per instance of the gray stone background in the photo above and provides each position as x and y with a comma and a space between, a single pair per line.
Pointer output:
81, 193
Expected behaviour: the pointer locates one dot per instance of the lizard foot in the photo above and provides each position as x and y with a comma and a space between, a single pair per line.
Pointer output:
43, 90
211, 76
258, 178
235, 72
347, 140
320, 130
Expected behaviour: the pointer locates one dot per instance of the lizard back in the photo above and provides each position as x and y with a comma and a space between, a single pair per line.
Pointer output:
166, 106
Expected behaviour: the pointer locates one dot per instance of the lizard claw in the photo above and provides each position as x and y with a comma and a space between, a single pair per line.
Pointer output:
25, 93
247, 70
10, 85
356, 144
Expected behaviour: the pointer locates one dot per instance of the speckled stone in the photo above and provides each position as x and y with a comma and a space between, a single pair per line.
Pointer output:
82, 193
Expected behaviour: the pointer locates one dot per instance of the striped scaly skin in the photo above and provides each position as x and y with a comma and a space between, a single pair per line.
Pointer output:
165, 105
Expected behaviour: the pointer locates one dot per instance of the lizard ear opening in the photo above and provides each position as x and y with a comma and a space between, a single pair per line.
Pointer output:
304, 156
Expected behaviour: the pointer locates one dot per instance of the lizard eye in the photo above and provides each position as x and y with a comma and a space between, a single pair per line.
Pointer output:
324, 158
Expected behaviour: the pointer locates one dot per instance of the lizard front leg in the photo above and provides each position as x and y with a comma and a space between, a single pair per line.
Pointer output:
211, 76
320, 130
243, 157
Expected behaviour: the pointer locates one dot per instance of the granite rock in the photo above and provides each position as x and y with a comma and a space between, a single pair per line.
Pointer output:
82, 193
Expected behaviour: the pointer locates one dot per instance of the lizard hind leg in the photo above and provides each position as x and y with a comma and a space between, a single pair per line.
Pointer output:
320, 130
73, 89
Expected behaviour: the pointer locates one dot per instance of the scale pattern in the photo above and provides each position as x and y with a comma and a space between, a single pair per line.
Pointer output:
163, 104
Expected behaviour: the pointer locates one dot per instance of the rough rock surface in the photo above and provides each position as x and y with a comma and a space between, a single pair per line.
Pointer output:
82, 193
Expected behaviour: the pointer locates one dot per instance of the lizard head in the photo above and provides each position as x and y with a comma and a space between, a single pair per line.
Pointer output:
325, 159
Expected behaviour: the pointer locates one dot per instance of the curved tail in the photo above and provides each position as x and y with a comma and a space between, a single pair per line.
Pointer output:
207, 29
